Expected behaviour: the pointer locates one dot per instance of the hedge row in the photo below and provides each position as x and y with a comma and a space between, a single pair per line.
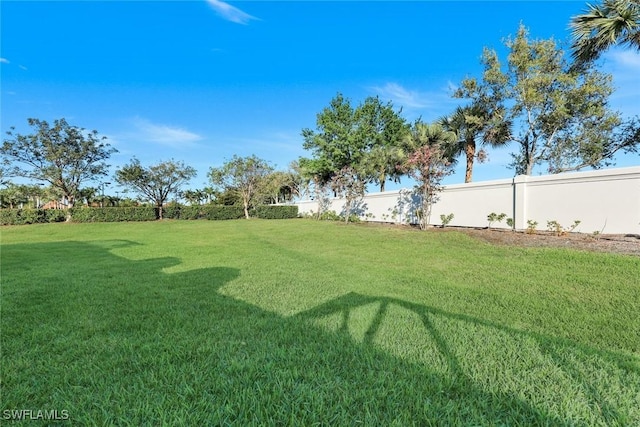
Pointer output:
137, 213
275, 212
210, 212
216, 212
142, 213
30, 216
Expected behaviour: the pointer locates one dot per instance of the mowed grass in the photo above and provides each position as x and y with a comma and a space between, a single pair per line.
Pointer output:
297, 322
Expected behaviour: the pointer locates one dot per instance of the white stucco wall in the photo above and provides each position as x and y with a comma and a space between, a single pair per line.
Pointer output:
606, 201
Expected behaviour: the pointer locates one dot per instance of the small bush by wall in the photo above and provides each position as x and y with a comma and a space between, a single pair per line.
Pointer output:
275, 212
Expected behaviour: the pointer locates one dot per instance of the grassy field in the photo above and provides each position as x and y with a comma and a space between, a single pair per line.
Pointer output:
296, 322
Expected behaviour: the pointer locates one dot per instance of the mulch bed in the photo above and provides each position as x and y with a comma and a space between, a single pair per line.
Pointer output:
612, 243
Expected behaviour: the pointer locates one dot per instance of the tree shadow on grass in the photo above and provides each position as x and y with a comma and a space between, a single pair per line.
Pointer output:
118, 342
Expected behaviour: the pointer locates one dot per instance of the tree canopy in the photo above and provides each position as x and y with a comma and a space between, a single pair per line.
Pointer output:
556, 116
364, 139
157, 182
482, 121
63, 155
427, 162
243, 176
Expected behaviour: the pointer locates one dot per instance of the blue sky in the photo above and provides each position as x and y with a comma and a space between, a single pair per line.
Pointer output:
200, 81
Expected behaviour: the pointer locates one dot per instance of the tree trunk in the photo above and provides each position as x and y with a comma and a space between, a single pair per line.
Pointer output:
529, 168
347, 210
470, 150
246, 209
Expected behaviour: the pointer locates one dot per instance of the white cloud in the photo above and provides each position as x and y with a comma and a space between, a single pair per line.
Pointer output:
4, 60
415, 104
401, 96
624, 66
626, 58
163, 134
230, 13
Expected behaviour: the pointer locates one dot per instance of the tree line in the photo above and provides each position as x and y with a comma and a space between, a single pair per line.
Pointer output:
552, 107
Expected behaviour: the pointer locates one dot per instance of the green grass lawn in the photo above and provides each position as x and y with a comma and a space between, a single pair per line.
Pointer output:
296, 322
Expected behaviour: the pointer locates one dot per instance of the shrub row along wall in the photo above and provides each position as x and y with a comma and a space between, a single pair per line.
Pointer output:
144, 213
215, 212
606, 201
30, 216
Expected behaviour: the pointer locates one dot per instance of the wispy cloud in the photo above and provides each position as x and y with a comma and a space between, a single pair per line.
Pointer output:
230, 13
626, 58
401, 96
271, 145
417, 104
6, 61
162, 134
624, 66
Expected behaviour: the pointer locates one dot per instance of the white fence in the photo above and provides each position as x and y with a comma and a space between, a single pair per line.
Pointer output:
606, 201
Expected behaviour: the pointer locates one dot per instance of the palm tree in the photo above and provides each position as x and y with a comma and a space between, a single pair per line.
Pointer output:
380, 163
475, 124
193, 197
612, 22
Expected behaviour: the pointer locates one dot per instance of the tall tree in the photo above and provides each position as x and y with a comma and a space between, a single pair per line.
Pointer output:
427, 162
365, 138
336, 143
65, 156
242, 175
313, 173
194, 197
278, 187
601, 26
157, 182
557, 116
382, 130
481, 122
13, 195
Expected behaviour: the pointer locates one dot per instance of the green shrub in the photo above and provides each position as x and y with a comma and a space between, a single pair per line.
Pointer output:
352, 218
446, 219
8, 216
173, 211
221, 212
31, 216
142, 213
493, 217
55, 215
275, 212
114, 214
22, 216
330, 216
191, 212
